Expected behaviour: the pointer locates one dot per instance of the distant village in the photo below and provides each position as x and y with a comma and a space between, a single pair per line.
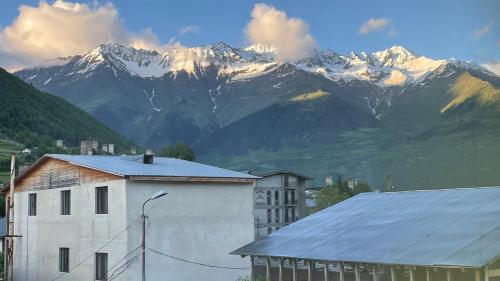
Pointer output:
99, 216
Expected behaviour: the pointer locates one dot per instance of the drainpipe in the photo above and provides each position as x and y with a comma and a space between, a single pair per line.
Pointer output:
388, 180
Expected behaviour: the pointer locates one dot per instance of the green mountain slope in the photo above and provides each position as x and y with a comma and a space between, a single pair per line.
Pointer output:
35, 118
304, 120
442, 134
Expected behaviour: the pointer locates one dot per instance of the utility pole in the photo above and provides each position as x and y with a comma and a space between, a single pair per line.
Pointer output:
143, 217
143, 245
10, 220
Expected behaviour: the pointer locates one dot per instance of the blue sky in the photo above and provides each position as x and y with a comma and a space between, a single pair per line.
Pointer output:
467, 30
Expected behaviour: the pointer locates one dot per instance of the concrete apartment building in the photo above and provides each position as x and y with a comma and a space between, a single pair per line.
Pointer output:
78, 218
279, 200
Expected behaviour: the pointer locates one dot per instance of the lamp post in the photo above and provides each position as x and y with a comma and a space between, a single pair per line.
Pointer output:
143, 245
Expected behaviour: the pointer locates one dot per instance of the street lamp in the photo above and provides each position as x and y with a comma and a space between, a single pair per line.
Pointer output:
143, 216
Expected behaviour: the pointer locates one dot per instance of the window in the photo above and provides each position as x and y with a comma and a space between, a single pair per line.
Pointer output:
66, 202
32, 204
286, 197
277, 215
294, 200
101, 200
101, 266
294, 218
63, 259
269, 220
276, 198
286, 181
269, 198
269, 230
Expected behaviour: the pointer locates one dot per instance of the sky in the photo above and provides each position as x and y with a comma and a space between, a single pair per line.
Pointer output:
32, 31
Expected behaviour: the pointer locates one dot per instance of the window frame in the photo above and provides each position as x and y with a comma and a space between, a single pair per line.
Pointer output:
66, 198
64, 259
99, 208
101, 269
32, 198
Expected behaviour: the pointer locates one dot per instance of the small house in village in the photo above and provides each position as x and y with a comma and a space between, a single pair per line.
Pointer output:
78, 217
279, 200
439, 235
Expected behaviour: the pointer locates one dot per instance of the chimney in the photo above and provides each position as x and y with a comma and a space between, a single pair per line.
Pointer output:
148, 157
388, 180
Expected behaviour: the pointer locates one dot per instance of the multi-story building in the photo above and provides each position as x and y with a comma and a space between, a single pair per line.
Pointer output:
87, 147
79, 218
279, 200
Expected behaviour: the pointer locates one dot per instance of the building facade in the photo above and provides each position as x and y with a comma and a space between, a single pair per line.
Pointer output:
78, 218
279, 200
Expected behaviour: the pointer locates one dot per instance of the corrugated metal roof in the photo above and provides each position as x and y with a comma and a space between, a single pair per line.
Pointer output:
161, 167
3, 227
452, 227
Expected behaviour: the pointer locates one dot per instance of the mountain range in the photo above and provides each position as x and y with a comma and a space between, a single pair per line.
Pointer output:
359, 115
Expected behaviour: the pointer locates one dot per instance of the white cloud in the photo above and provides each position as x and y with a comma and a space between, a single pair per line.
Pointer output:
189, 29
271, 27
377, 25
64, 29
480, 32
493, 66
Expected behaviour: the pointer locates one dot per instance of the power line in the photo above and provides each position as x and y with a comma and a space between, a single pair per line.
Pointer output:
124, 257
121, 269
197, 263
102, 247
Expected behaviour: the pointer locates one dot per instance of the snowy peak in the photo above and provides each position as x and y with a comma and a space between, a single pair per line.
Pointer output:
395, 66
394, 56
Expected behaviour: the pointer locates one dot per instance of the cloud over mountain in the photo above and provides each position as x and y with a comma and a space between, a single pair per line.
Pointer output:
272, 27
63, 29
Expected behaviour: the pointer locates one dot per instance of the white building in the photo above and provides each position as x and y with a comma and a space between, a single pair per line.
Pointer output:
79, 218
279, 200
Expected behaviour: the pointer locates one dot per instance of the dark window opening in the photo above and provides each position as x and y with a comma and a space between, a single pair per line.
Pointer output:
101, 200
66, 202
101, 266
32, 204
63, 259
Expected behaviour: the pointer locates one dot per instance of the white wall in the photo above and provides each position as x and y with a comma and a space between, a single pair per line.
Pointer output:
199, 222
37, 252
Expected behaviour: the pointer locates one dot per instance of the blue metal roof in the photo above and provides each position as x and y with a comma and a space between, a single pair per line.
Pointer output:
161, 167
452, 227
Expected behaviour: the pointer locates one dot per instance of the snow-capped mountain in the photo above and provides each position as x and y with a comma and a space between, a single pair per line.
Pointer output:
184, 93
357, 114
395, 66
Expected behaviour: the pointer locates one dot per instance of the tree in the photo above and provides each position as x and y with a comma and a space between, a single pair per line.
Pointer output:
333, 194
179, 151
361, 187
329, 196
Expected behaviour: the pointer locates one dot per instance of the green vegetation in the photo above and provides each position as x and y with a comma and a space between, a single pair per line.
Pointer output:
179, 151
36, 119
310, 96
338, 192
467, 86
